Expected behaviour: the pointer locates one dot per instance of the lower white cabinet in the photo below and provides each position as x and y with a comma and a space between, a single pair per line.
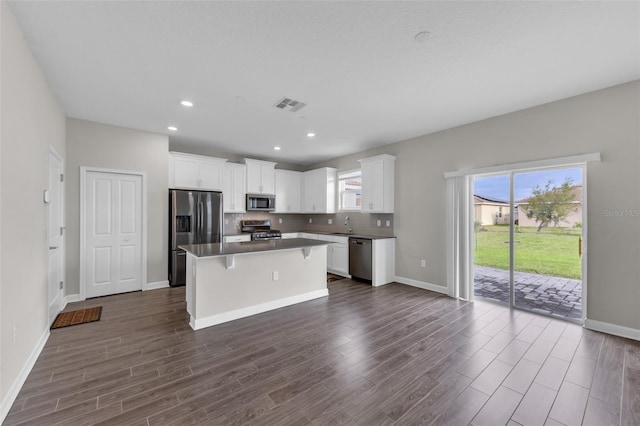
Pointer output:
236, 238
337, 253
384, 261
289, 235
339, 259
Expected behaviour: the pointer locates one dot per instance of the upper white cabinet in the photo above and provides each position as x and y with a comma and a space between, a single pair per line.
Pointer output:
261, 177
288, 191
188, 171
235, 176
378, 175
320, 191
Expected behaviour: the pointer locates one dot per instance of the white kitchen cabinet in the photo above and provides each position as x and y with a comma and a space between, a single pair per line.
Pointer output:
236, 238
337, 254
289, 235
378, 184
319, 191
235, 176
188, 171
261, 177
383, 261
288, 191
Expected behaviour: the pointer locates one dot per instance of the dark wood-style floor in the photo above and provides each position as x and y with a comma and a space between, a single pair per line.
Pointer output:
370, 356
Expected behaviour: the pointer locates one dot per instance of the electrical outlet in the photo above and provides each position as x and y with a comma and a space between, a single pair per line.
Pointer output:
423, 263
310, 220
379, 222
275, 275
388, 223
330, 221
226, 221
279, 220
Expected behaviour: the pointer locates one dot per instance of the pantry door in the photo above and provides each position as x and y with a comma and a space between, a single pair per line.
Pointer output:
55, 239
113, 233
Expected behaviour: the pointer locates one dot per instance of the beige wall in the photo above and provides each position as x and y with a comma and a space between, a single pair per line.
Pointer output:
104, 146
31, 122
606, 121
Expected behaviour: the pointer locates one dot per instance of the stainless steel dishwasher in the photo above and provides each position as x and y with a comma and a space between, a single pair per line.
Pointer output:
360, 258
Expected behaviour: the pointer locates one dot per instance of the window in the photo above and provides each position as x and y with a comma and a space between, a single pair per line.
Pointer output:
350, 187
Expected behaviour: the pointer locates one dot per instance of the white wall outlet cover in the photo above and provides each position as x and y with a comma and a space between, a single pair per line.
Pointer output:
330, 221
388, 223
423, 263
226, 221
279, 220
379, 222
310, 220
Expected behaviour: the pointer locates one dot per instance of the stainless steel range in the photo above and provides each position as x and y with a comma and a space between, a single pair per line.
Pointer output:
260, 230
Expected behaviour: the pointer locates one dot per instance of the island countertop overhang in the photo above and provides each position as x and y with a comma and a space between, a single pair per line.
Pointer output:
248, 247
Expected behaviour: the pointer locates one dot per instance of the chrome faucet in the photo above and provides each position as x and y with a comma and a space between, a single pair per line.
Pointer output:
346, 223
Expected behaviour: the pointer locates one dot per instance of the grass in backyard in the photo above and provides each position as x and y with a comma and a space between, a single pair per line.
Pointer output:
553, 251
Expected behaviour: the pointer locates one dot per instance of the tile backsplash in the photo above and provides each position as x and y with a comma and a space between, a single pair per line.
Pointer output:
360, 223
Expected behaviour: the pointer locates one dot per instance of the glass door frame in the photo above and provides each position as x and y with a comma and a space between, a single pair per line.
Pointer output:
511, 173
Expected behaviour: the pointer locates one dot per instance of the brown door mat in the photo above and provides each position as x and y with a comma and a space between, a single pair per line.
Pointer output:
81, 316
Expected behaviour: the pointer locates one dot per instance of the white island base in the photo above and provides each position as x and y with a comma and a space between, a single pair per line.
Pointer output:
220, 290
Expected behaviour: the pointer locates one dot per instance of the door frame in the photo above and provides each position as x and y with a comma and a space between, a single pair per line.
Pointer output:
511, 172
84, 171
62, 247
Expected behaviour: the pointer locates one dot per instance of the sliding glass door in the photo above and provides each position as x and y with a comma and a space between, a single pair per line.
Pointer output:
528, 238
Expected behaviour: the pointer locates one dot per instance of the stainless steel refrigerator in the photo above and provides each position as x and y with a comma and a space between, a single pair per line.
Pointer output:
195, 217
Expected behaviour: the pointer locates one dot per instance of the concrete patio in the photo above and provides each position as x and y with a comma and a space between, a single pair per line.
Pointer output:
556, 296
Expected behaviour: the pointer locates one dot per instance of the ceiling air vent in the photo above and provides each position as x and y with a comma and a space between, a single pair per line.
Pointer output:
289, 104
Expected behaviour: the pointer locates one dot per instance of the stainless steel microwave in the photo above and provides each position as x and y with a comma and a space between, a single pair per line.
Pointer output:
261, 202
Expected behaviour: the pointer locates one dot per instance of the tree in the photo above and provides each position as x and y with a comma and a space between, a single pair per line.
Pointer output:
550, 204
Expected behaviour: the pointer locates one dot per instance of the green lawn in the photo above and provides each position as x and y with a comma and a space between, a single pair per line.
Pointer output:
553, 251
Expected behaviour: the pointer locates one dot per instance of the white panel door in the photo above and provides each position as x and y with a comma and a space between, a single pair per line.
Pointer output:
113, 233
55, 239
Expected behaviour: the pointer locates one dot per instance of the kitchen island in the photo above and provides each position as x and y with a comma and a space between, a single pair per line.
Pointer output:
227, 281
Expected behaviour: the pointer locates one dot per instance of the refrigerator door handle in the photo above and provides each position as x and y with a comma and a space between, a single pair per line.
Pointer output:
200, 220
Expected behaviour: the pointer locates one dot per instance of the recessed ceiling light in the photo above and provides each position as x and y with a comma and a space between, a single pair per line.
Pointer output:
186, 103
173, 128
422, 36
311, 135
276, 148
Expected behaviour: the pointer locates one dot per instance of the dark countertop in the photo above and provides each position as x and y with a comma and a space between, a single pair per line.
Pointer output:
343, 234
246, 247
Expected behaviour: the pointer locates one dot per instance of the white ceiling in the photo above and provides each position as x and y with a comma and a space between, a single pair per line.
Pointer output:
356, 65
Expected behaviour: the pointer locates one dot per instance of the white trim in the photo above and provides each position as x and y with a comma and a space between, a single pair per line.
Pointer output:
17, 384
423, 285
536, 164
70, 298
197, 324
83, 178
156, 285
616, 330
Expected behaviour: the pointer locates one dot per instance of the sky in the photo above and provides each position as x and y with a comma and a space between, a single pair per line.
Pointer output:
497, 186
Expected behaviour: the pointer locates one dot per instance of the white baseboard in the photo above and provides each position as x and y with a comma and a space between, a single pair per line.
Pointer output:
70, 298
153, 286
13, 391
423, 285
616, 330
197, 324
